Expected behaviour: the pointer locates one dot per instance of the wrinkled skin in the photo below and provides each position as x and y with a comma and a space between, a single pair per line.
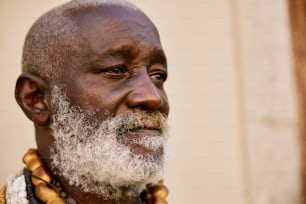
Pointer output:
120, 66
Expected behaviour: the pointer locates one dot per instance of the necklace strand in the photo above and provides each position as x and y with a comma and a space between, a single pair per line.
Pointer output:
50, 193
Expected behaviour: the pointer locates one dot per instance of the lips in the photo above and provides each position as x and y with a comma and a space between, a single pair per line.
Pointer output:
144, 140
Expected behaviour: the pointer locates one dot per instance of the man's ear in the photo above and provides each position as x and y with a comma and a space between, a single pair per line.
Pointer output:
32, 94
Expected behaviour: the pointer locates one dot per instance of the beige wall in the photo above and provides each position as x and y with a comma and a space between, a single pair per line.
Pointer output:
230, 88
268, 102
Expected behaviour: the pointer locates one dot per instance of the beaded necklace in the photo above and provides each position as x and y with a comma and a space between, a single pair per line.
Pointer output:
48, 191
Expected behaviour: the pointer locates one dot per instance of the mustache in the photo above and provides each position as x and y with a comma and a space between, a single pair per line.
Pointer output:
139, 119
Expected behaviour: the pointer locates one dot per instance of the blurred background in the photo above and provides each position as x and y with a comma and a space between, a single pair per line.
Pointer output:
234, 122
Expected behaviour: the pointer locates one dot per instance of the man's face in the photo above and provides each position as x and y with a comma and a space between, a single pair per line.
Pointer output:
121, 66
114, 126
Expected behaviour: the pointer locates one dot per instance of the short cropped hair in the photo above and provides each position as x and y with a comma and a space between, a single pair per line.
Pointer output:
54, 36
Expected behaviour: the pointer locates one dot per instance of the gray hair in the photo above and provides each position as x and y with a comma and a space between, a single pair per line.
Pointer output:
53, 37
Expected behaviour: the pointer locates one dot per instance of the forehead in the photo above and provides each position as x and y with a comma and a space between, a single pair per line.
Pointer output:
108, 30
115, 23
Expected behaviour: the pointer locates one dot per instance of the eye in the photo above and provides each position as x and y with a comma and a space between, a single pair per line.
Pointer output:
159, 76
116, 71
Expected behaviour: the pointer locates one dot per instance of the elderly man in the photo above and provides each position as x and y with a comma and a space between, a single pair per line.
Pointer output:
92, 83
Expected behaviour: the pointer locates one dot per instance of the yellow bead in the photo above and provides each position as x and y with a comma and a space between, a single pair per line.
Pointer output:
32, 161
157, 200
40, 172
2, 195
44, 193
29, 155
160, 191
36, 181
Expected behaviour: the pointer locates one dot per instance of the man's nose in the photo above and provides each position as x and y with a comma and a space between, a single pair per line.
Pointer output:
146, 95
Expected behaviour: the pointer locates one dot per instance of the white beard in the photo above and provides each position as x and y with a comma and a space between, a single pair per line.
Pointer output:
95, 157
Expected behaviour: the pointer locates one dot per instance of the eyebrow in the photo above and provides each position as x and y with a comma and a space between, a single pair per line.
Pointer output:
116, 51
157, 54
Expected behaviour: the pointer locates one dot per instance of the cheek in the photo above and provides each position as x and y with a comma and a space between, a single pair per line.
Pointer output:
100, 102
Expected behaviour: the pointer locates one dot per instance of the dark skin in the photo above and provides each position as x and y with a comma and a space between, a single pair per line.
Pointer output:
121, 66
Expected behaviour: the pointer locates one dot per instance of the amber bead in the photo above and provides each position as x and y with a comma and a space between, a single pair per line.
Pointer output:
41, 173
29, 155
157, 200
159, 191
44, 193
